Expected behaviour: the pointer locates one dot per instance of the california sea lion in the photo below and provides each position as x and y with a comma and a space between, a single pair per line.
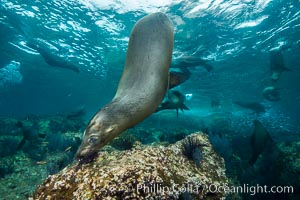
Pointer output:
183, 63
277, 64
51, 54
271, 93
30, 133
191, 61
259, 140
142, 87
254, 106
175, 100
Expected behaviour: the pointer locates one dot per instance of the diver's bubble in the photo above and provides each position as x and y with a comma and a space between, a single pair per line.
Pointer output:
11, 74
188, 96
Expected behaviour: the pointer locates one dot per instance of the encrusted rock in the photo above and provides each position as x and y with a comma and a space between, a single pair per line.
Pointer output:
146, 172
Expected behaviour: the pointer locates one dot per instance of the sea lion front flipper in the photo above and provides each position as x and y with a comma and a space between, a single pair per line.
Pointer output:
287, 69
208, 67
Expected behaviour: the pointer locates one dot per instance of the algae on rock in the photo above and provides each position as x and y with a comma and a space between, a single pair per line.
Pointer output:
141, 173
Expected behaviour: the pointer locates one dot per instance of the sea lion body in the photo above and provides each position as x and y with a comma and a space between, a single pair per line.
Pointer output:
259, 140
254, 106
191, 61
184, 63
277, 64
51, 54
175, 100
142, 87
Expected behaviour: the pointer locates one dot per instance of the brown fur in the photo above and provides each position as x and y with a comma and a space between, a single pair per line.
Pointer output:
142, 86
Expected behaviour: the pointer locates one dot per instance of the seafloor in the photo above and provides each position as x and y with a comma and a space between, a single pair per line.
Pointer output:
47, 157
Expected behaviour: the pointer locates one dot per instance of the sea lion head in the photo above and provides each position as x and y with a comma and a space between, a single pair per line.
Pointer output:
96, 135
275, 76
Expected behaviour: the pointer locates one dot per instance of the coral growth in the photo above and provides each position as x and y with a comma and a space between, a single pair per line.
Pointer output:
141, 173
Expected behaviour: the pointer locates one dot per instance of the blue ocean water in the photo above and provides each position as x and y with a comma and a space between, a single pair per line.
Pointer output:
235, 37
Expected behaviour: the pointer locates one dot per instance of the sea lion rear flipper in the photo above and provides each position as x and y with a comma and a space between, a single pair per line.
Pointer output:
157, 110
208, 67
21, 144
184, 107
253, 159
19, 124
76, 69
177, 78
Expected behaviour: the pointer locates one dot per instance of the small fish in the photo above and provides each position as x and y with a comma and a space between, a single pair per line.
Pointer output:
43, 162
45, 143
68, 149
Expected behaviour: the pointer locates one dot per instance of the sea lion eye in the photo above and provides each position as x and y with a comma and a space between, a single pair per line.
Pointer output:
92, 140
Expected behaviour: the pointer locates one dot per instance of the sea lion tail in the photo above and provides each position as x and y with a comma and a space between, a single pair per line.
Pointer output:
19, 124
253, 159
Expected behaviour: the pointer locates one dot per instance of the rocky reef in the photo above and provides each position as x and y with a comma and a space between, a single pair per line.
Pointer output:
34, 147
290, 167
182, 170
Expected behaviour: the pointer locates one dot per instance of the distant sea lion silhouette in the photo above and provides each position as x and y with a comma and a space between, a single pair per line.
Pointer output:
143, 84
215, 102
271, 93
51, 54
183, 63
277, 64
259, 140
254, 106
191, 61
175, 100
30, 133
